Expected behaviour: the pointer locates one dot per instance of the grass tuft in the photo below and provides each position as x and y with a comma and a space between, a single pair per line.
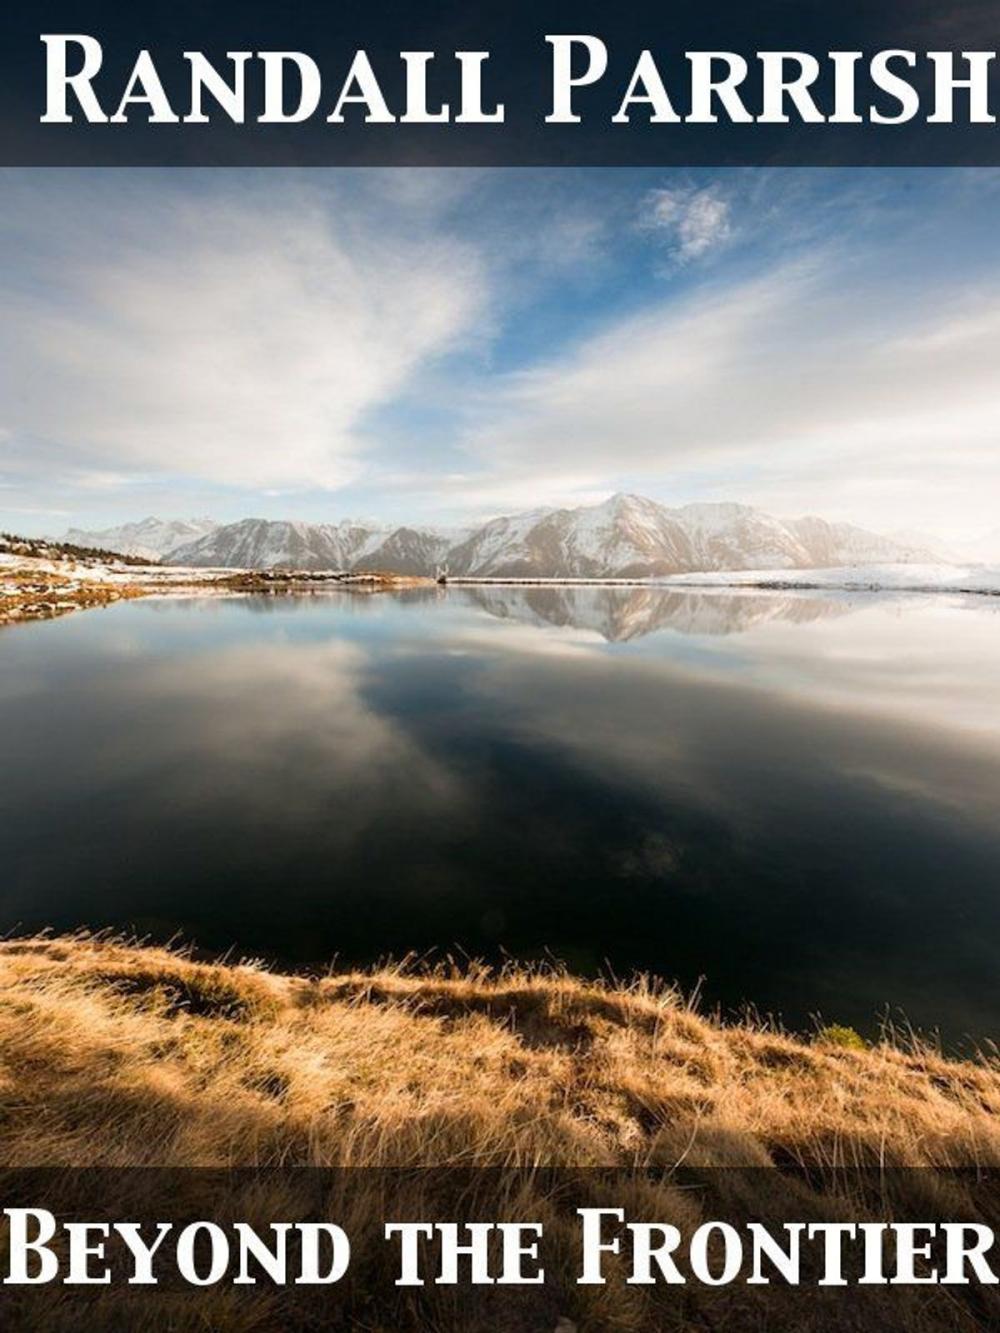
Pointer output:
836, 1034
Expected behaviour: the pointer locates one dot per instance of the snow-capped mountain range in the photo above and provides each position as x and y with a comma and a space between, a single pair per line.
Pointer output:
150, 539
257, 543
626, 536
632, 537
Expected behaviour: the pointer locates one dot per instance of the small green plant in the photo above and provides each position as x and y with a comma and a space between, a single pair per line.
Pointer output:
836, 1034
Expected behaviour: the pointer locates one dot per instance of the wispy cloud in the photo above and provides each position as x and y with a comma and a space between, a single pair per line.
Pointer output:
243, 344
689, 221
787, 389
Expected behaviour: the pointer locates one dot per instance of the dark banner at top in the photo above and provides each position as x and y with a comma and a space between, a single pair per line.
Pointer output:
96, 82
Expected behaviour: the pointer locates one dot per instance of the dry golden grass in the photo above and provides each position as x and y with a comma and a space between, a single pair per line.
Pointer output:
117, 1055
237, 1065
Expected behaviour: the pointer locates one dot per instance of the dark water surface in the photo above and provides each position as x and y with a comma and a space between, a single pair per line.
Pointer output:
795, 797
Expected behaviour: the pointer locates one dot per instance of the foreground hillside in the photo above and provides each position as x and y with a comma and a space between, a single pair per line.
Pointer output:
235, 1064
114, 1055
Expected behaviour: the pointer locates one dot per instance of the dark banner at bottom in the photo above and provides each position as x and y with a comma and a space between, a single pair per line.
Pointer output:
506, 1250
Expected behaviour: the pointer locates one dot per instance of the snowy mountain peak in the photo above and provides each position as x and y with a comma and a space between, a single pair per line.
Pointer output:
149, 539
631, 536
270, 544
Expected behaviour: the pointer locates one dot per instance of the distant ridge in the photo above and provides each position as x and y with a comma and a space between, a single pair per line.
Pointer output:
149, 539
259, 543
626, 536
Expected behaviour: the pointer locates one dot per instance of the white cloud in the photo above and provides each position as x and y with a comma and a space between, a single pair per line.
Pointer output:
228, 339
691, 221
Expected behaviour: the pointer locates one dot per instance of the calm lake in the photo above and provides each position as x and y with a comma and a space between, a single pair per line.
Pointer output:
794, 797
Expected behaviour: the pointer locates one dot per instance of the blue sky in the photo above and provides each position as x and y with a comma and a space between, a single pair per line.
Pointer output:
446, 345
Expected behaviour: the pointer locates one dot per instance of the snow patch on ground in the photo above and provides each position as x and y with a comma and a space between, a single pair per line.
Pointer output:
854, 578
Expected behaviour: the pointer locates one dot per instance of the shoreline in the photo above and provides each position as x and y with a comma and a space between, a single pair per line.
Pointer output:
34, 589
737, 581
45, 590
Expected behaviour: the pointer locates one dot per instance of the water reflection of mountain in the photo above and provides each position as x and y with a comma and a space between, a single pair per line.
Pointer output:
620, 614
